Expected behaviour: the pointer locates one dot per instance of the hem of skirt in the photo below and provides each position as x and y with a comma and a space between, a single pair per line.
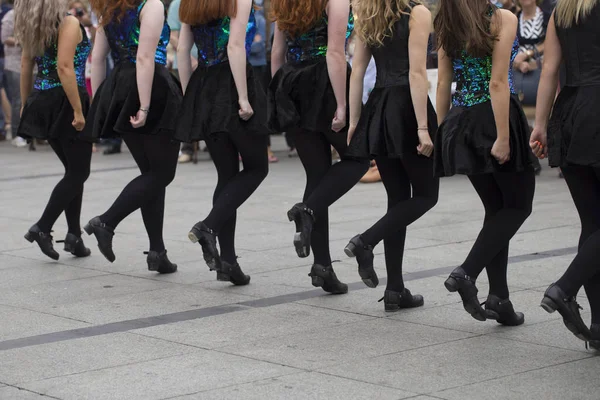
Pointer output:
446, 174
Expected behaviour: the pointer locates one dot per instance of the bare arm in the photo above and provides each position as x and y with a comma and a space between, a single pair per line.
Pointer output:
499, 87
174, 39
420, 27
549, 78
152, 20
278, 51
444, 85
236, 49
99, 54
69, 36
184, 59
360, 63
338, 12
26, 76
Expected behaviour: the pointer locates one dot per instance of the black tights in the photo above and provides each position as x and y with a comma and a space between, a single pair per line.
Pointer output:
507, 198
584, 185
234, 186
325, 183
68, 193
405, 206
156, 157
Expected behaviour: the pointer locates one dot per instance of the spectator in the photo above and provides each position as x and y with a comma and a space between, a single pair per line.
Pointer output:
5, 115
187, 149
12, 69
533, 22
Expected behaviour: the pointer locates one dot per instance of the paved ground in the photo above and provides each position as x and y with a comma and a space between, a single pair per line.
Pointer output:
85, 329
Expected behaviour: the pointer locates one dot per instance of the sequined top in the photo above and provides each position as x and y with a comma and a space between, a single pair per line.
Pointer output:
124, 37
212, 39
47, 76
473, 75
312, 45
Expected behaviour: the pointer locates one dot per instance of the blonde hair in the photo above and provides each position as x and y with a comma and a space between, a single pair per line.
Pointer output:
37, 23
569, 12
375, 19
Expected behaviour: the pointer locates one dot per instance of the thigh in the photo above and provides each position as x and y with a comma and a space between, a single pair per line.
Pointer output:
135, 144
162, 153
584, 185
339, 141
488, 191
394, 178
253, 149
57, 147
79, 156
314, 152
518, 188
419, 170
224, 154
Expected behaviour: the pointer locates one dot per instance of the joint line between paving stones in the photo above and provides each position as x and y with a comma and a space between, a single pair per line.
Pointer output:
125, 326
31, 391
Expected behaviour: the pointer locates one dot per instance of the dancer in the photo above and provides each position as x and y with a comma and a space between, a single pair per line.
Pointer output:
225, 106
54, 109
484, 136
139, 101
308, 98
394, 129
573, 146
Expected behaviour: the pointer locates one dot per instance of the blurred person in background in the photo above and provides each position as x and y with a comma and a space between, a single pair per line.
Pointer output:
12, 69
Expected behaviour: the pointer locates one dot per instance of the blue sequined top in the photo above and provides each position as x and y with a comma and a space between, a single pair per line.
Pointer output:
312, 45
47, 76
124, 37
473, 75
212, 39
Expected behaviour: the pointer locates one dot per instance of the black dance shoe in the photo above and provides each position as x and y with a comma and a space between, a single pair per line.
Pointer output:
460, 282
595, 337
557, 300
207, 238
503, 311
160, 263
44, 240
233, 273
364, 256
75, 246
395, 301
304, 218
325, 278
104, 235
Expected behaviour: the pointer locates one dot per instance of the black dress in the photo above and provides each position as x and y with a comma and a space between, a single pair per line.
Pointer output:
117, 99
210, 104
47, 113
388, 125
574, 128
465, 138
302, 79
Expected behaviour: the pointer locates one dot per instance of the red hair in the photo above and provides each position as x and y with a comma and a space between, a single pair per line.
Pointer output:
296, 17
196, 12
112, 10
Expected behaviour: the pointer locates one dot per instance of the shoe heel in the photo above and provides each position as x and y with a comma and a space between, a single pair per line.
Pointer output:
89, 229
349, 250
29, 237
291, 215
193, 238
302, 250
317, 281
223, 277
548, 305
451, 285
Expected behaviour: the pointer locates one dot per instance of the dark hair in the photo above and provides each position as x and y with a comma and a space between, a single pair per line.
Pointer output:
465, 25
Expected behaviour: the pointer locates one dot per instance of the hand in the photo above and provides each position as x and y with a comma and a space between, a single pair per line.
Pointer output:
139, 119
339, 119
21, 112
524, 67
78, 121
539, 143
351, 130
425, 147
246, 112
501, 151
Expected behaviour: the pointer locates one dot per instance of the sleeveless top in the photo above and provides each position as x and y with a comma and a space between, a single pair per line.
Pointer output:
473, 75
212, 39
47, 64
391, 58
124, 37
312, 45
580, 46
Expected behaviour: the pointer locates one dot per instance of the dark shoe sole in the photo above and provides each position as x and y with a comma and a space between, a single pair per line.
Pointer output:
30, 237
471, 305
368, 275
301, 245
74, 253
550, 306
210, 258
396, 307
110, 256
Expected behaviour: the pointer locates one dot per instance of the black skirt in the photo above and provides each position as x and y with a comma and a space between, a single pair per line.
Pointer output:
117, 100
465, 139
48, 114
388, 125
211, 105
301, 96
574, 128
